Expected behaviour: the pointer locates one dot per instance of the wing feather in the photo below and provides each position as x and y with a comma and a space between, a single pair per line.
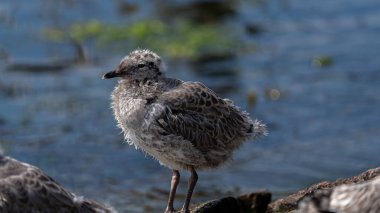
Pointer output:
24, 187
196, 113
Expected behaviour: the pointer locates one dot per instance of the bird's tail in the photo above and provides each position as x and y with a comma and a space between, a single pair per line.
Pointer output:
257, 129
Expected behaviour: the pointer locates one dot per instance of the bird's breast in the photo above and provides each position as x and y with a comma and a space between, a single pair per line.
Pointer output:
130, 113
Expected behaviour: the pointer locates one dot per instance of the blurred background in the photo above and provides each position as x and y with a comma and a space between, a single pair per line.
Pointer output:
309, 69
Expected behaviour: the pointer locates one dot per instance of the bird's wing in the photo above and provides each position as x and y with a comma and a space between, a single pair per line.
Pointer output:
23, 186
363, 197
196, 113
26, 185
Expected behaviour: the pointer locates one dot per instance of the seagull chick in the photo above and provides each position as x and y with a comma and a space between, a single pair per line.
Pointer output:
184, 125
347, 198
25, 188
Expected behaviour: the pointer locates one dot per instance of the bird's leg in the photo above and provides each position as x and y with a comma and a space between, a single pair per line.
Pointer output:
173, 189
192, 182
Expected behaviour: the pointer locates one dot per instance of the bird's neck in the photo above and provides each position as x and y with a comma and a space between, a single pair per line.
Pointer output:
146, 88
141, 82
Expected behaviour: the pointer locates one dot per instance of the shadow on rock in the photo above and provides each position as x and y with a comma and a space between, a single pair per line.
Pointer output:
254, 202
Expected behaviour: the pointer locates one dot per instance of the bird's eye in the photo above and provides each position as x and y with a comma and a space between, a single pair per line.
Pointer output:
141, 65
151, 64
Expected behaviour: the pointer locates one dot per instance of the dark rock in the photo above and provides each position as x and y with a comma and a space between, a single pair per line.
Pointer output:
253, 202
224, 205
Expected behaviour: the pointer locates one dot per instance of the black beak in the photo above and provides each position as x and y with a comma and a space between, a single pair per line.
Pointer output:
111, 74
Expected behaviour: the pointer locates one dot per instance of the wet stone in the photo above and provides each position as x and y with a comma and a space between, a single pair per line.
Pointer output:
224, 205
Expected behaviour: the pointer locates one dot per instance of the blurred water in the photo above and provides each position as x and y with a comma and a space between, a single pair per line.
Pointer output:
325, 125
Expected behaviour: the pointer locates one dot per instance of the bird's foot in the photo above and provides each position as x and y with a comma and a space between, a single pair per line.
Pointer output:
168, 210
185, 211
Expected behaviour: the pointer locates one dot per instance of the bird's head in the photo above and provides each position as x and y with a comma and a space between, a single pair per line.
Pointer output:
139, 65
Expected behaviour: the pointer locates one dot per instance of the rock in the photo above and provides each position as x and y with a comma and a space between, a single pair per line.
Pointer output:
253, 202
256, 202
224, 205
290, 202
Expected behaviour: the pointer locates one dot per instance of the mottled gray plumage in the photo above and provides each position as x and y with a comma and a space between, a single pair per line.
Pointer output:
355, 198
25, 188
184, 125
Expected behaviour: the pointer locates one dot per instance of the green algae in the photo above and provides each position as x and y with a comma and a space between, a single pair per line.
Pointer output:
180, 40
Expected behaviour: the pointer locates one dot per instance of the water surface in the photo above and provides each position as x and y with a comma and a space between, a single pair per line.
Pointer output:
324, 125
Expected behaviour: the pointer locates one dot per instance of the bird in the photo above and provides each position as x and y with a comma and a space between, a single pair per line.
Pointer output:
25, 188
184, 125
347, 198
